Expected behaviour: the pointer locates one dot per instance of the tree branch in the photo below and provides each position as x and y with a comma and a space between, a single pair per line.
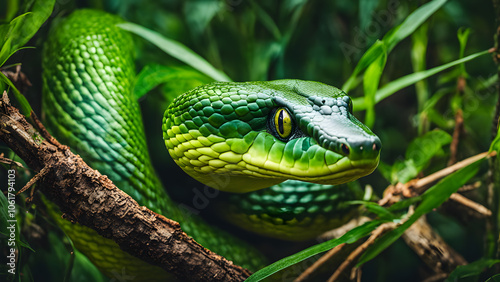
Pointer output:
91, 199
431, 248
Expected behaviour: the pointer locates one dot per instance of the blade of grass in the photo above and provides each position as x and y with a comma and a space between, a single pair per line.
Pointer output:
375, 208
418, 61
371, 81
153, 75
350, 237
393, 37
376, 50
463, 36
176, 50
411, 23
405, 81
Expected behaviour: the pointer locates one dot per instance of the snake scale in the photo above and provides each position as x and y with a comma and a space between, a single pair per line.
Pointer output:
236, 137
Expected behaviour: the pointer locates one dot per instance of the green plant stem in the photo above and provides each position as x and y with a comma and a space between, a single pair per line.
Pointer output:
419, 52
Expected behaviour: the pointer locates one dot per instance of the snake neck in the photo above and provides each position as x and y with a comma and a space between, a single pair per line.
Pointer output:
92, 107
88, 75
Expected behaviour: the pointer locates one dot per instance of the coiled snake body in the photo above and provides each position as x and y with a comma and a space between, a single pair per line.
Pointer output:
236, 137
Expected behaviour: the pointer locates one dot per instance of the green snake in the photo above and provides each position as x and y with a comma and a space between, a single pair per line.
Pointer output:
236, 137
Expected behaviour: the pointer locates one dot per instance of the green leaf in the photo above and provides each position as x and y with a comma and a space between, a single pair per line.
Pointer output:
84, 270
472, 269
405, 81
5, 31
375, 208
495, 144
371, 81
393, 37
418, 60
423, 148
24, 105
463, 36
411, 23
11, 9
350, 237
431, 199
374, 52
403, 170
404, 204
419, 153
434, 99
22, 28
176, 50
153, 75
441, 121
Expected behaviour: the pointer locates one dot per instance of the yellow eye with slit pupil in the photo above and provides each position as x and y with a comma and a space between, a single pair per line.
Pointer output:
283, 123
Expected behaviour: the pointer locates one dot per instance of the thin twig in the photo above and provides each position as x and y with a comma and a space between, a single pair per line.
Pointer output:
478, 208
459, 127
8, 161
417, 186
33, 180
338, 232
356, 253
305, 275
356, 274
17, 77
470, 187
423, 184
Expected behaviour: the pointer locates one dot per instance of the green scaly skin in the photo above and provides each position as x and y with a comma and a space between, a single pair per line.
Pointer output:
292, 210
221, 134
88, 74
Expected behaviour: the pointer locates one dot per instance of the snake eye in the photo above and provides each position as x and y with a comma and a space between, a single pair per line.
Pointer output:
283, 123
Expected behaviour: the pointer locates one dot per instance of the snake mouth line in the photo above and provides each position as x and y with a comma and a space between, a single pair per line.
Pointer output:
345, 170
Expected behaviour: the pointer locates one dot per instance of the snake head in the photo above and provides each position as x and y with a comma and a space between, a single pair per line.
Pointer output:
241, 137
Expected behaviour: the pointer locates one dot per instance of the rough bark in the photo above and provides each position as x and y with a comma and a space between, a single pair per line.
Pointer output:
91, 199
431, 248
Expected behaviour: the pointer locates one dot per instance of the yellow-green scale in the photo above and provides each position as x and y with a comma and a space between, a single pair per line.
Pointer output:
88, 73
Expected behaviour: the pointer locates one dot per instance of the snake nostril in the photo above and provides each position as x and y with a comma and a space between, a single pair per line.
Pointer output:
345, 149
375, 147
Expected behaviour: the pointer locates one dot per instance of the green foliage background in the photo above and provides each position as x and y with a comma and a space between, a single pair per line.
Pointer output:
392, 57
